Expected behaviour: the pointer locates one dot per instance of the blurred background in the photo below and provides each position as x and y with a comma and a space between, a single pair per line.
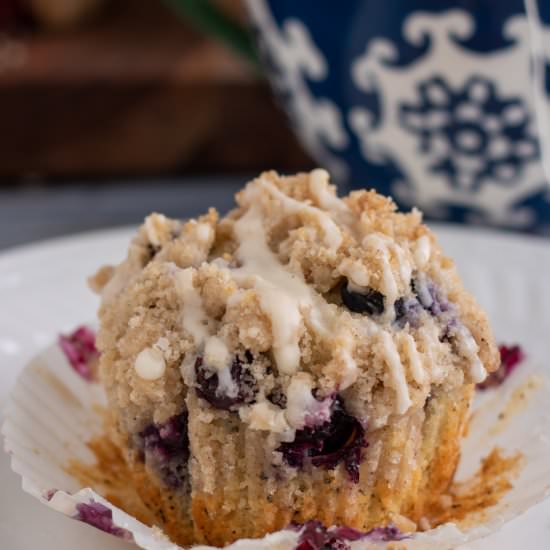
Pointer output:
109, 107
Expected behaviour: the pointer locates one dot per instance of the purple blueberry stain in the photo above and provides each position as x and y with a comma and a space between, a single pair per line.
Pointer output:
80, 350
315, 536
165, 448
208, 385
389, 533
425, 295
429, 295
319, 411
49, 494
510, 358
101, 517
407, 312
340, 439
434, 300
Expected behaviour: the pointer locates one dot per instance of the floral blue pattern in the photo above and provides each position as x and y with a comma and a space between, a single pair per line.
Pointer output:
430, 101
472, 134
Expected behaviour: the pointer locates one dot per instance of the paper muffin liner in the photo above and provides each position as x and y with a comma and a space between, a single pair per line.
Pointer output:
53, 412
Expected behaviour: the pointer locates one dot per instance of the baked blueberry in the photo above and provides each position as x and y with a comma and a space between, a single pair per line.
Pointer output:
339, 440
208, 384
368, 302
165, 448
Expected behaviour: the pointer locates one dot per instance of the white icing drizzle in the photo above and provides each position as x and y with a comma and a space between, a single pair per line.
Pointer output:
285, 324
332, 233
281, 293
301, 404
349, 372
226, 384
389, 285
397, 373
422, 251
216, 353
150, 364
355, 272
422, 290
287, 300
195, 320
417, 371
319, 188
468, 348
282, 296
328, 200
405, 267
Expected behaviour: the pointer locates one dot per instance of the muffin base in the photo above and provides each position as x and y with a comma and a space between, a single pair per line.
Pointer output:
406, 467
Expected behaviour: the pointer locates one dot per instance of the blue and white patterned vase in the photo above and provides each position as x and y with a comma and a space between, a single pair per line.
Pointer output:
430, 101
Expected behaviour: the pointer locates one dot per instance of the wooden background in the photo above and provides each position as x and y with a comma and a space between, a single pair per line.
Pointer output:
134, 91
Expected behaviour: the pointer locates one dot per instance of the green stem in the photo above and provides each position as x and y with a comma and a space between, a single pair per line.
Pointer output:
207, 18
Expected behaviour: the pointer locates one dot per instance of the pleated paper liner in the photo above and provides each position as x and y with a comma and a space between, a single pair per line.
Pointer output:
54, 424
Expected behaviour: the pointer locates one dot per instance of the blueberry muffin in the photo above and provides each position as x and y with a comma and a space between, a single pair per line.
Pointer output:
304, 357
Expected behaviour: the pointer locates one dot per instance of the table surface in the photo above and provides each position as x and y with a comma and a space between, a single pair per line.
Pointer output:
36, 212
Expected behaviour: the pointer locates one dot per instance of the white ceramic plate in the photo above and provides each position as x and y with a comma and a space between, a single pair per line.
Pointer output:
43, 292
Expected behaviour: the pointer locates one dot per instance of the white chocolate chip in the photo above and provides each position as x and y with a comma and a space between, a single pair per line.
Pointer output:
150, 364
